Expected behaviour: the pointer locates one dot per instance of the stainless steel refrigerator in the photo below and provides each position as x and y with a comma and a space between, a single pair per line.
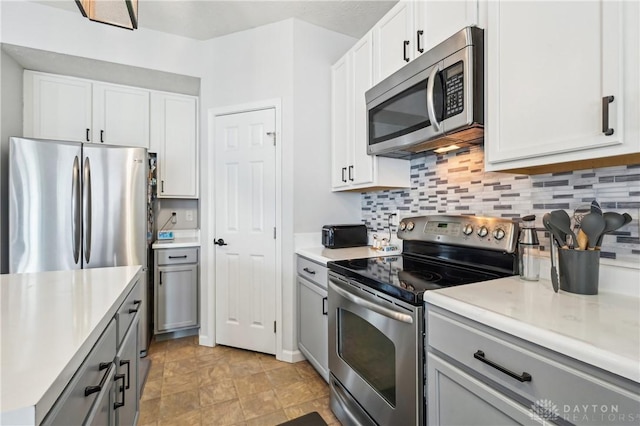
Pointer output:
77, 205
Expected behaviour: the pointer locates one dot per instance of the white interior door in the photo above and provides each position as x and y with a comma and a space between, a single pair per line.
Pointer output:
245, 178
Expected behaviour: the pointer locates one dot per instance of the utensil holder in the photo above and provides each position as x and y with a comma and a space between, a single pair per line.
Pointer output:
579, 270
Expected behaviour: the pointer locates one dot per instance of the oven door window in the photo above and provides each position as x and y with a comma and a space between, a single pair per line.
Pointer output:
369, 353
406, 112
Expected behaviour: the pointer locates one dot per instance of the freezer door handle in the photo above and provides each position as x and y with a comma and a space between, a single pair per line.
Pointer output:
87, 209
76, 225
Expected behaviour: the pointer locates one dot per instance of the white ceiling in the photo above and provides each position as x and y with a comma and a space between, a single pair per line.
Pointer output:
206, 19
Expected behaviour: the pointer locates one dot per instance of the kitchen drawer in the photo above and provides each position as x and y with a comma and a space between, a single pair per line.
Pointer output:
312, 271
177, 256
128, 310
553, 377
73, 406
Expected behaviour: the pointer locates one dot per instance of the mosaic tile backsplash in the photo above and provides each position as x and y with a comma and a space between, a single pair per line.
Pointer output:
456, 183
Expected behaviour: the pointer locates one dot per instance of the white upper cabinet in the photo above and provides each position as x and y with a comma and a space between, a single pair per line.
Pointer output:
73, 109
341, 140
174, 138
393, 39
120, 115
351, 167
56, 107
411, 28
562, 83
435, 21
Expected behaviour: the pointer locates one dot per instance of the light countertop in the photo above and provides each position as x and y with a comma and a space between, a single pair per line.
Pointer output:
602, 330
50, 322
183, 238
323, 255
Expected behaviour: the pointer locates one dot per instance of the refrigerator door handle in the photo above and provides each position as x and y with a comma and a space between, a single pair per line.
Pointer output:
87, 209
76, 225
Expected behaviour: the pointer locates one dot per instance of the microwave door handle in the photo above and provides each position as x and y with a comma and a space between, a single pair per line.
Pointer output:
431, 110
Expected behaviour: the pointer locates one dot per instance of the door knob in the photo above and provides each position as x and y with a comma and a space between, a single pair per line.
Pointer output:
219, 242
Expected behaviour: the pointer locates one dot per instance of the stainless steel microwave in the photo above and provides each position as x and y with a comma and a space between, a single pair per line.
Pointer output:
435, 101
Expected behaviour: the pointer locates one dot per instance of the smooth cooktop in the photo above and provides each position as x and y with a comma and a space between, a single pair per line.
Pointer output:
407, 277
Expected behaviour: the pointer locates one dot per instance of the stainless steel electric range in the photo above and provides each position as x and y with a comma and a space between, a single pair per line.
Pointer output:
376, 319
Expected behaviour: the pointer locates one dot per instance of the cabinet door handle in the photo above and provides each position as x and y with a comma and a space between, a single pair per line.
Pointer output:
160, 283
606, 100
351, 173
137, 302
309, 271
524, 377
88, 130
93, 389
344, 170
325, 310
128, 364
133, 311
117, 404
178, 257
101, 136
404, 51
419, 35
162, 186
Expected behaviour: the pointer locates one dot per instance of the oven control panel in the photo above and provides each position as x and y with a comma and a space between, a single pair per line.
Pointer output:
471, 231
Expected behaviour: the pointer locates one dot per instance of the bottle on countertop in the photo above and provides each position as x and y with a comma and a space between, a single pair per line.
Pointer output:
529, 250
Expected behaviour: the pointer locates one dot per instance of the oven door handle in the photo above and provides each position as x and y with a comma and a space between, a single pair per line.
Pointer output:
390, 313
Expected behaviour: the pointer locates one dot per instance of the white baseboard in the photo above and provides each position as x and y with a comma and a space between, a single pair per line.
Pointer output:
206, 341
291, 356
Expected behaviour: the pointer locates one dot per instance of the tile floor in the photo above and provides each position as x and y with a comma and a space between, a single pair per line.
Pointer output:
190, 384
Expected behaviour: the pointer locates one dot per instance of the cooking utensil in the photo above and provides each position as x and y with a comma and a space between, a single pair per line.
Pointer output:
595, 208
593, 224
583, 240
561, 220
561, 237
552, 254
612, 221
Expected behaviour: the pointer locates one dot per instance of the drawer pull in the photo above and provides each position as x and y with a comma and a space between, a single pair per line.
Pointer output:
137, 302
524, 377
133, 311
309, 271
184, 256
117, 404
128, 364
325, 310
93, 389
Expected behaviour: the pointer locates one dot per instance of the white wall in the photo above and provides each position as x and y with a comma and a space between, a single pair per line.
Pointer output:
11, 125
315, 50
29, 24
289, 60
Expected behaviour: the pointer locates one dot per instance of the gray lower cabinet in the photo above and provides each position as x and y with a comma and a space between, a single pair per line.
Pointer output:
312, 315
482, 376
104, 390
176, 289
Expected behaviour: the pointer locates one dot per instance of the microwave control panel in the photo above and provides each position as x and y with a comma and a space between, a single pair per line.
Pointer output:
454, 90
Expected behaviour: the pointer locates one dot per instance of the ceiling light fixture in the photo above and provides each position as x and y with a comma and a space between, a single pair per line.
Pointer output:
121, 13
446, 149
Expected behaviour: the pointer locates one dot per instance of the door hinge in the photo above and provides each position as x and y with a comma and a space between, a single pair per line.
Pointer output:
274, 326
274, 137
274, 232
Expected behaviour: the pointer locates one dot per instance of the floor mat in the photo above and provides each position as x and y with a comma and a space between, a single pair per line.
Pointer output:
311, 419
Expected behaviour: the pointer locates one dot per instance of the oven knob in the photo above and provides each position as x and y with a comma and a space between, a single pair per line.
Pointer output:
410, 226
498, 233
467, 230
402, 226
483, 231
